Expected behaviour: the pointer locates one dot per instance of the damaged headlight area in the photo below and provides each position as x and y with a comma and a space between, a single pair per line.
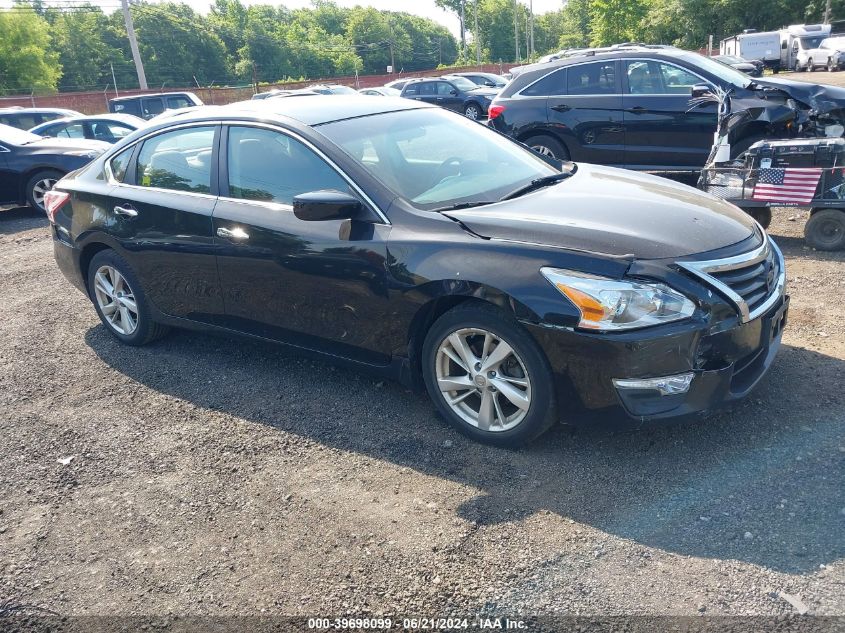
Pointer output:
613, 304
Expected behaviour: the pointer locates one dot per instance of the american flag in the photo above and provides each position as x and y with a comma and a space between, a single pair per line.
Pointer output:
790, 184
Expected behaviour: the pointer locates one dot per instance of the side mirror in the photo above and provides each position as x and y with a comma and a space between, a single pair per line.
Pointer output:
317, 206
489, 84
453, 92
700, 90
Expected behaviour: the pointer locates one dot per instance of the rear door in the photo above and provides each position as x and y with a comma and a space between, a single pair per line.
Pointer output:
448, 96
585, 110
160, 211
662, 129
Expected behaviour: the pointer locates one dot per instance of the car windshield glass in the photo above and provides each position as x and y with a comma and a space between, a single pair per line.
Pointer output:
14, 136
811, 42
343, 90
725, 73
463, 83
436, 159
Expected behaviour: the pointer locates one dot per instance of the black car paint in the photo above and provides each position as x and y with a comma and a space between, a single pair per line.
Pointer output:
653, 132
365, 292
457, 100
19, 162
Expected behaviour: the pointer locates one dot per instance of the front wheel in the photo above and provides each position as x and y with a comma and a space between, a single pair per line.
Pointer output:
831, 67
488, 377
810, 66
120, 300
472, 111
825, 230
38, 185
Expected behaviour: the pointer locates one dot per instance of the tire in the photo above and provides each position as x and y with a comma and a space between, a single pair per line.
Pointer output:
102, 268
831, 67
739, 148
763, 215
810, 66
473, 111
505, 424
825, 230
38, 184
797, 66
548, 146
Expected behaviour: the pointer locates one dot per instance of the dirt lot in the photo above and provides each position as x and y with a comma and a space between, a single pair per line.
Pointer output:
204, 475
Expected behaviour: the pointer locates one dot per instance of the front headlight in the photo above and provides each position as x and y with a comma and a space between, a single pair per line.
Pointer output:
611, 304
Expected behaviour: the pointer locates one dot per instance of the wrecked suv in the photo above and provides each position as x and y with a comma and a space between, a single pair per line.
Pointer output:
632, 106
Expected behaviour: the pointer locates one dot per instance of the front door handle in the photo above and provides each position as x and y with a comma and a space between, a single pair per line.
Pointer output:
561, 108
636, 110
236, 233
126, 210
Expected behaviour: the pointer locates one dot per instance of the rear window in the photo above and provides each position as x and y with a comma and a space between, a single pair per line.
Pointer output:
552, 84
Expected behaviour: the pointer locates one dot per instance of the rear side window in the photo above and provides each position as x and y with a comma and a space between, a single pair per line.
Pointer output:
271, 167
444, 88
178, 160
428, 88
552, 84
119, 164
413, 89
592, 79
174, 103
153, 107
76, 130
129, 107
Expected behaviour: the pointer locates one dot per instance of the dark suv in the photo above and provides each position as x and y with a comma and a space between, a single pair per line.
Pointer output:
454, 93
630, 106
150, 105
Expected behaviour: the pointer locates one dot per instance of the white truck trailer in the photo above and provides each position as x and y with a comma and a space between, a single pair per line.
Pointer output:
765, 47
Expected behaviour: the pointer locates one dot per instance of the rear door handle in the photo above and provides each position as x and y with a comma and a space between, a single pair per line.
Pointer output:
636, 110
126, 210
561, 108
236, 233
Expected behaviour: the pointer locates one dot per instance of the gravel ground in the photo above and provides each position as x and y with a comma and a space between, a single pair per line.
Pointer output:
207, 476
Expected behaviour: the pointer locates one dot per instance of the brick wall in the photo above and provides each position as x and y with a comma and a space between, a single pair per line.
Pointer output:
97, 102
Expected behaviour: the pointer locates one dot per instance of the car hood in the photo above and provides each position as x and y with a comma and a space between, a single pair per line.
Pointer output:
484, 92
823, 100
61, 146
614, 212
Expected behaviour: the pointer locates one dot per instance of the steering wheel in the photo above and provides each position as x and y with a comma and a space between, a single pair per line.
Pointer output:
443, 170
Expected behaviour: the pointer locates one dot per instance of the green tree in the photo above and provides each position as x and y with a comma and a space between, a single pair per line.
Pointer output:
615, 21
26, 60
84, 54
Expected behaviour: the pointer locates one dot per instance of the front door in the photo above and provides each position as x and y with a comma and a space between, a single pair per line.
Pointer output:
662, 129
9, 182
161, 214
320, 285
448, 96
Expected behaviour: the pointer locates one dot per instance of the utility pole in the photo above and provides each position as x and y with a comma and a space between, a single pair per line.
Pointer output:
463, 28
827, 12
516, 29
116, 93
133, 44
392, 59
531, 36
477, 37
440, 50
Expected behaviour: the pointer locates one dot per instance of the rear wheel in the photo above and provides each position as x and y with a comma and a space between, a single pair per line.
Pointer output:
488, 377
39, 184
810, 66
825, 230
830, 65
472, 111
120, 300
547, 146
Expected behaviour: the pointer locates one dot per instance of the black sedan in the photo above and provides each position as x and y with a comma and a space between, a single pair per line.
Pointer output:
414, 243
30, 165
453, 93
108, 128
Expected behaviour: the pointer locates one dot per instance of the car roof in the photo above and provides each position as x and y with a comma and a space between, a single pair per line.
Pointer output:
153, 94
312, 111
20, 110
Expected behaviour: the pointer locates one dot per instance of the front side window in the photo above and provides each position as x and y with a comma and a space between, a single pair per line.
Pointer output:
75, 130
444, 88
110, 132
271, 167
657, 78
175, 103
427, 89
178, 160
153, 107
592, 79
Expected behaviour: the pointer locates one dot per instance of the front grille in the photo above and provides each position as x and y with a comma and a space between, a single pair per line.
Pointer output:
753, 281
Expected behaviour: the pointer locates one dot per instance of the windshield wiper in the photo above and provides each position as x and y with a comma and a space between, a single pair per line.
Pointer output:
463, 205
538, 183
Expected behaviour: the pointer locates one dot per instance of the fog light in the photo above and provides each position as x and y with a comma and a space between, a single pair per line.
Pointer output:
665, 385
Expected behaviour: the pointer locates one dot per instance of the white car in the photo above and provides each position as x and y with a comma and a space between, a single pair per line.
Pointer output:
815, 52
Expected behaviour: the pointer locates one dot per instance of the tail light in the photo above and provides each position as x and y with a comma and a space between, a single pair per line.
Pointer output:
495, 111
53, 201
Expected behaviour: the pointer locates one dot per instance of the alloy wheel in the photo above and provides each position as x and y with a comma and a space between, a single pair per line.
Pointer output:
472, 112
41, 188
483, 380
542, 149
116, 300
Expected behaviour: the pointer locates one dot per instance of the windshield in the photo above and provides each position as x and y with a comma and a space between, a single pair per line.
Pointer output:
811, 42
14, 136
434, 159
725, 73
463, 83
